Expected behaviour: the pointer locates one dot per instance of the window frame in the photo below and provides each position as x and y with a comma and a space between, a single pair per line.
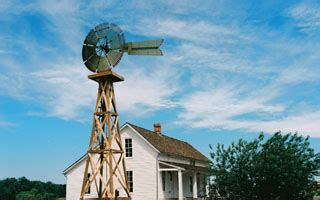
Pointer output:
130, 180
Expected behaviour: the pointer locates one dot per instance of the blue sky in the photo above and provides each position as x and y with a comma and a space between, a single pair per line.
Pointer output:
230, 70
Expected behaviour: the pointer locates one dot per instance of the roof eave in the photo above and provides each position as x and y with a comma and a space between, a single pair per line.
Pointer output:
208, 161
65, 172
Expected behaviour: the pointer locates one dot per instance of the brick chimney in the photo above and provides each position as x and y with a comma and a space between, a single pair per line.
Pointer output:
157, 128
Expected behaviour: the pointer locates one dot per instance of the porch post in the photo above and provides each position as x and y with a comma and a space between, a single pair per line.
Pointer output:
180, 184
195, 186
207, 186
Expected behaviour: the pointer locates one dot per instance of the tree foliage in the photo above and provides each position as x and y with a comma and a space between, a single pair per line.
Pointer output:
281, 168
23, 189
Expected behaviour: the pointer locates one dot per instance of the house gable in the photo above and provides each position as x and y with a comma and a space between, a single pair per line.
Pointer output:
127, 125
137, 142
142, 164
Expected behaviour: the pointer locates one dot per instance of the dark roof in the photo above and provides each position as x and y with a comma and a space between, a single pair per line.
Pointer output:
170, 145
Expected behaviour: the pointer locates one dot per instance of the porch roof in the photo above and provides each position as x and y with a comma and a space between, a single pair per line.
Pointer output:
185, 167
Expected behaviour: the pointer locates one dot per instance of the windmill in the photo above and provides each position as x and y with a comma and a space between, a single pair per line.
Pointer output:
105, 167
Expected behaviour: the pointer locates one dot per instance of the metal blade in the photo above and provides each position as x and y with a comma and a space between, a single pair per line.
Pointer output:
91, 38
113, 57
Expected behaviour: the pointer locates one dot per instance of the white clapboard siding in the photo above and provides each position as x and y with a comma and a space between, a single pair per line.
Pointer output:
74, 182
143, 164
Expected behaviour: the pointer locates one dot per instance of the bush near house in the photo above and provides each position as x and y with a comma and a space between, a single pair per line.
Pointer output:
282, 167
23, 189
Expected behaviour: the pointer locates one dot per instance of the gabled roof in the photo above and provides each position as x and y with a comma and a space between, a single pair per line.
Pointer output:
74, 164
170, 145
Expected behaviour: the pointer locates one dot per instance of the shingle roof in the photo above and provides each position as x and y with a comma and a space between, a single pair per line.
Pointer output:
169, 145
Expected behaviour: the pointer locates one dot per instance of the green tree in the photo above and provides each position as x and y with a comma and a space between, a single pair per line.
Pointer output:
27, 195
23, 189
8, 189
281, 168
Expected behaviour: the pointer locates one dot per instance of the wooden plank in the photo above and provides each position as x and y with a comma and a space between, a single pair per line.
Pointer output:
106, 75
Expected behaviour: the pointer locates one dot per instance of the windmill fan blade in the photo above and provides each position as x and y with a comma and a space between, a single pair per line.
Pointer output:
113, 57
87, 52
91, 39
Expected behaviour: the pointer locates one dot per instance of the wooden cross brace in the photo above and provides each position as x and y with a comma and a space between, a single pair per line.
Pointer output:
105, 156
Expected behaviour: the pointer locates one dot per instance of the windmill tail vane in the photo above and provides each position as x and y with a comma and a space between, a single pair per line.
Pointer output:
150, 47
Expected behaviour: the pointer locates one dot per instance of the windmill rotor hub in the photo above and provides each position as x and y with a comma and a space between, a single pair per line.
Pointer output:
103, 47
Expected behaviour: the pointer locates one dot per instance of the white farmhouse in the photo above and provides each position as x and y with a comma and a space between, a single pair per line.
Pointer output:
158, 167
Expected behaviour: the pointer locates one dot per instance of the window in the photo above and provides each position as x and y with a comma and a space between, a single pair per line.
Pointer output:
198, 182
192, 162
191, 183
170, 176
89, 188
130, 180
163, 176
128, 147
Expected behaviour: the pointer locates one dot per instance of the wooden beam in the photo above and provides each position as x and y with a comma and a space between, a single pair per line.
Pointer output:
105, 142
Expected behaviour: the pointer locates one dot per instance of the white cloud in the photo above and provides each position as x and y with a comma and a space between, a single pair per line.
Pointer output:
306, 15
299, 74
228, 109
61, 7
3, 51
224, 103
7, 124
222, 59
63, 90
195, 31
304, 123
144, 91
5, 6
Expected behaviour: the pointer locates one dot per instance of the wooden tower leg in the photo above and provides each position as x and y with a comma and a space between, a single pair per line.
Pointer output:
105, 156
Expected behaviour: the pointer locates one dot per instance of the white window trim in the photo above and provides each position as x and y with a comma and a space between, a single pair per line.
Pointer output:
132, 180
126, 149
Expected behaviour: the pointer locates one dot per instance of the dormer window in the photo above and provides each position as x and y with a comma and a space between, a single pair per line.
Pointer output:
128, 147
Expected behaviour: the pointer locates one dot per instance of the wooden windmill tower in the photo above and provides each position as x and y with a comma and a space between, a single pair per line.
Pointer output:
105, 167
